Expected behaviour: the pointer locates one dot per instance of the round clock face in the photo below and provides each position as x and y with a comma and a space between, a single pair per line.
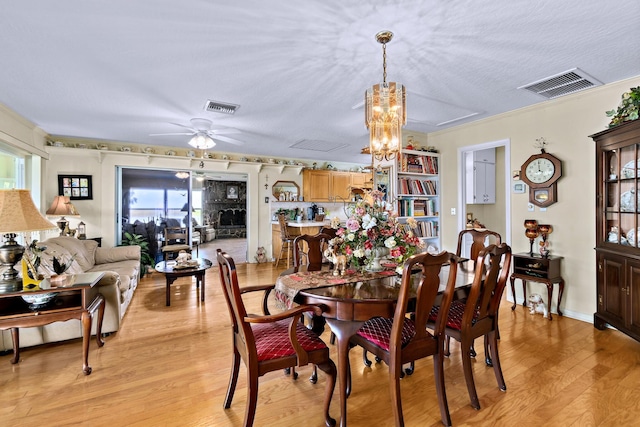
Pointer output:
540, 170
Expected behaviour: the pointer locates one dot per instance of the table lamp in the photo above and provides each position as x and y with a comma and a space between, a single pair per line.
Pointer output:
18, 214
61, 206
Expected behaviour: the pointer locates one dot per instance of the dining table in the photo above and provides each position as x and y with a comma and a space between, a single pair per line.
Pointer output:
349, 300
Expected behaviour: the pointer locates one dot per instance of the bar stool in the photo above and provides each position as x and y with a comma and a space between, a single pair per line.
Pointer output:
286, 241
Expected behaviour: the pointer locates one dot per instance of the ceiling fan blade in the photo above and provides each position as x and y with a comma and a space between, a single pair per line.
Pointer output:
184, 126
227, 139
223, 131
165, 134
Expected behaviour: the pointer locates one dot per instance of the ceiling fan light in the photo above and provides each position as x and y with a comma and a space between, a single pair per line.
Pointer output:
202, 141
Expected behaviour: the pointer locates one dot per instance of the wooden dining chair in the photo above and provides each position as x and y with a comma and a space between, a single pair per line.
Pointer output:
310, 248
480, 240
315, 246
175, 240
269, 343
477, 316
286, 241
403, 339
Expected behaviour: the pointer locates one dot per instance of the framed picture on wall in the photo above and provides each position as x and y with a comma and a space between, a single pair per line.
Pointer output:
232, 191
76, 187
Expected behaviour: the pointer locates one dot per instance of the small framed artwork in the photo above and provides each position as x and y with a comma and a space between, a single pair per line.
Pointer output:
232, 191
76, 187
519, 187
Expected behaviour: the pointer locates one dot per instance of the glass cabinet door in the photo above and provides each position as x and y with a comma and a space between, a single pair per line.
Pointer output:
621, 195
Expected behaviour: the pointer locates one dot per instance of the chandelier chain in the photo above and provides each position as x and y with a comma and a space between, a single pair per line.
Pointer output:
384, 62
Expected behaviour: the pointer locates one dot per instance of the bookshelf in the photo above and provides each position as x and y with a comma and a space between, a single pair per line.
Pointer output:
418, 193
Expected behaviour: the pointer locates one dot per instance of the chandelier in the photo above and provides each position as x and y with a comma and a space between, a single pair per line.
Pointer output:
385, 110
202, 141
182, 175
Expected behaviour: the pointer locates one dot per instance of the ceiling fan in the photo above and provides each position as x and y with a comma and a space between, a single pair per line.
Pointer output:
203, 135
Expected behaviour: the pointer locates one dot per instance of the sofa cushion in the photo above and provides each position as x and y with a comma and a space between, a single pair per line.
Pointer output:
61, 253
84, 251
118, 253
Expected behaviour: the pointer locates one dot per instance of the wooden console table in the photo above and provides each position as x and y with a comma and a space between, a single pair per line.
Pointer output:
535, 268
75, 298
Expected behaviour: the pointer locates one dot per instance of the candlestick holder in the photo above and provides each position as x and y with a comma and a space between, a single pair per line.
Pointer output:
531, 231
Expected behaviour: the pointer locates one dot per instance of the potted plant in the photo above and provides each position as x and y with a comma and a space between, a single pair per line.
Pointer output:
146, 260
629, 108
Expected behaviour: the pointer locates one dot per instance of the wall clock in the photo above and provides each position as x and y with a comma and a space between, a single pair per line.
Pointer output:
541, 172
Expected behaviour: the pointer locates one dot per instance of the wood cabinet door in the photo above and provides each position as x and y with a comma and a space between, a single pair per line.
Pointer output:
633, 295
316, 185
610, 291
340, 186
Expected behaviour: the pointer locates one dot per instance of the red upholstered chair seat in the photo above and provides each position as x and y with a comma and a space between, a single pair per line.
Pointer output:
272, 339
454, 320
378, 331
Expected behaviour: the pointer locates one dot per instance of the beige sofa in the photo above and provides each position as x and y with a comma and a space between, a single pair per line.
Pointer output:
121, 266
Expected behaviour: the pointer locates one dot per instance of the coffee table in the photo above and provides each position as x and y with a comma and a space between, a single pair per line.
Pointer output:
172, 271
75, 298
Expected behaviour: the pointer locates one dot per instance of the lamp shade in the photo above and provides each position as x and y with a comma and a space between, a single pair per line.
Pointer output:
18, 213
61, 206
202, 141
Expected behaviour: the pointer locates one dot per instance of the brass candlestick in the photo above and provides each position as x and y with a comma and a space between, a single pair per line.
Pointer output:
531, 231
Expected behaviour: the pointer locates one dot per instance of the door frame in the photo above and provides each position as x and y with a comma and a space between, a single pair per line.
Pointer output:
462, 214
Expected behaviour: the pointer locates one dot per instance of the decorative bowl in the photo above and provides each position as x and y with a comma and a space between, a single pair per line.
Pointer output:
38, 300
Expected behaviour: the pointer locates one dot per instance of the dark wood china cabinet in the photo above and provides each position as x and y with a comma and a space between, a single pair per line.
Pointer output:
618, 228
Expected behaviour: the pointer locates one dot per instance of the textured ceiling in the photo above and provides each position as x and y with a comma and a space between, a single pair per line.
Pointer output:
122, 70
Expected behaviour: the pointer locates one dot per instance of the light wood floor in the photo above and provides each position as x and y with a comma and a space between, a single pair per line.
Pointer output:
169, 366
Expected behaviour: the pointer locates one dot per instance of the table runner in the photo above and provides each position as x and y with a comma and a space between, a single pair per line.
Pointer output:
287, 287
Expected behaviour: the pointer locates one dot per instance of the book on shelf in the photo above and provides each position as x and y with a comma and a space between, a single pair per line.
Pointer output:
418, 187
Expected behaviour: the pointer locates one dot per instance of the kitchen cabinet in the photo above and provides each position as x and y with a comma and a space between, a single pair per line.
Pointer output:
480, 177
331, 186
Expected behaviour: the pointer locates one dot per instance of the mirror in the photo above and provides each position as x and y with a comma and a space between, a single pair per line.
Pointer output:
286, 191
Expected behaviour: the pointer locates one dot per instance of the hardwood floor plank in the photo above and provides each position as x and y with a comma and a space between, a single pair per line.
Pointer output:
169, 366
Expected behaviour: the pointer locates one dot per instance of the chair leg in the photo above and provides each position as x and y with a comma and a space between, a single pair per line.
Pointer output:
395, 370
447, 346
487, 356
314, 375
465, 347
330, 369
497, 369
365, 359
233, 379
438, 370
252, 400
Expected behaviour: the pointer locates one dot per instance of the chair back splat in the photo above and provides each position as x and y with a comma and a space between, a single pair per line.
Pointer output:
269, 342
481, 239
403, 339
315, 246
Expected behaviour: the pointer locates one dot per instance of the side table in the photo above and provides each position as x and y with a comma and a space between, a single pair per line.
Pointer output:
536, 268
172, 271
72, 299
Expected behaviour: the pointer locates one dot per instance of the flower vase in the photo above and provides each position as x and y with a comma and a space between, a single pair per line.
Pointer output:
374, 263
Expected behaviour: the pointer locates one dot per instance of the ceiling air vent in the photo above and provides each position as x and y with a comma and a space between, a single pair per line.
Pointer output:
562, 84
221, 107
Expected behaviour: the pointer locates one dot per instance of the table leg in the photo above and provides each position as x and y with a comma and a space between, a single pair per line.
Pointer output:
524, 293
343, 330
560, 292
101, 306
513, 292
170, 280
202, 278
549, 295
15, 335
86, 338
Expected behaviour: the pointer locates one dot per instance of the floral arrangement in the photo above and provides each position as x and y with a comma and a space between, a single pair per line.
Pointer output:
372, 226
629, 108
